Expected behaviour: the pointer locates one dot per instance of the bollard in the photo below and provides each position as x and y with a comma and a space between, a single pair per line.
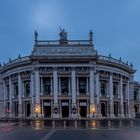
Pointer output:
86, 124
53, 124
32, 125
109, 124
75, 124
64, 124
120, 123
20, 124
97, 124
131, 123
42, 123
9, 124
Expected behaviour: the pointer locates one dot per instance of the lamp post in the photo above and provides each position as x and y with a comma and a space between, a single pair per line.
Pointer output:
37, 110
93, 110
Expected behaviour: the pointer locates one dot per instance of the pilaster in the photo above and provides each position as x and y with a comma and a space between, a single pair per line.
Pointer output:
73, 83
55, 93
92, 105
19, 96
121, 95
32, 95
111, 106
10, 94
97, 95
128, 100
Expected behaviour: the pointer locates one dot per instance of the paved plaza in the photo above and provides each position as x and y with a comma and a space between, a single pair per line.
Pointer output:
14, 133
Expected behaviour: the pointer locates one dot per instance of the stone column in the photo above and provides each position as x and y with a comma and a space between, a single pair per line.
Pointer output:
10, 94
128, 100
69, 87
4, 87
111, 105
59, 88
73, 83
87, 89
41, 85
32, 96
51, 86
97, 95
121, 102
37, 93
55, 93
19, 96
77, 85
91, 90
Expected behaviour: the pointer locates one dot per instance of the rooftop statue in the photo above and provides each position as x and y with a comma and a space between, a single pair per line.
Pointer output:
91, 35
63, 36
35, 35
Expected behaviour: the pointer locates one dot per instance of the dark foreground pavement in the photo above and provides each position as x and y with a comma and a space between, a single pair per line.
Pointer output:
69, 134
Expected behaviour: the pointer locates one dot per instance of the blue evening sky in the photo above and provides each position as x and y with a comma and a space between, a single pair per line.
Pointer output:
115, 23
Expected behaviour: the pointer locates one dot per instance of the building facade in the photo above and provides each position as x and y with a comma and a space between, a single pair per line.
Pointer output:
68, 79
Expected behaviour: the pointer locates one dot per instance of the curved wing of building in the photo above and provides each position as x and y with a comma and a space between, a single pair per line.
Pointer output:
68, 79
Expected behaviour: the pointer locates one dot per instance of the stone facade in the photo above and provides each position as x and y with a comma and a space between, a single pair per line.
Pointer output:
68, 79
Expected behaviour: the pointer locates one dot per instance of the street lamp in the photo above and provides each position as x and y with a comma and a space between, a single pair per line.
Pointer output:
37, 110
92, 110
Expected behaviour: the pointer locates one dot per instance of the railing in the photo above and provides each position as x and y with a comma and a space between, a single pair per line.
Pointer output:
110, 59
68, 42
21, 59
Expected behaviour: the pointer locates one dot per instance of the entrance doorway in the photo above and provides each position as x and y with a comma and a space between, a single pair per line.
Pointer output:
65, 109
83, 109
116, 109
103, 109
27, 109
136, 110
16, 108
47, 108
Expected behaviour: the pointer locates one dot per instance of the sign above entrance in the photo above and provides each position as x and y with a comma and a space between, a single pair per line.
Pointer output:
47, 104
65, 104
83, 104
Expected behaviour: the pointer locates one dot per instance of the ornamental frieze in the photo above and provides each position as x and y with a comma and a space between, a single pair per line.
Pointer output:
63, 50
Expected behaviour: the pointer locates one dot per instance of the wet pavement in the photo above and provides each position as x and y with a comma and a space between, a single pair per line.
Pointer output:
69, 134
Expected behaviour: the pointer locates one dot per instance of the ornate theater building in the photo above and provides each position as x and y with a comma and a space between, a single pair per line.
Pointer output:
68, 79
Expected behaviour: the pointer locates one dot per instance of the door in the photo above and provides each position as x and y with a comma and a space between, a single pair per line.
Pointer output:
65, 109
27, 111
47, 108
103, 109
83, 109
116, 109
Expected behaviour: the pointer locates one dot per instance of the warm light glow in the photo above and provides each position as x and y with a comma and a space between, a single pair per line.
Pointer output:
92, 109
37, 125
37, 108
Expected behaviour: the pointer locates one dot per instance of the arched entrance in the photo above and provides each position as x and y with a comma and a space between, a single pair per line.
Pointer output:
65, 108
116, 109
103, 109
136, 110
83, 108
47, 108
28, 111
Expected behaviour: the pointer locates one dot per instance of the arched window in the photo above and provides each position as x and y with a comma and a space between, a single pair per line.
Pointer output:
46, 86
15, 90
115, 89
64, 85
82, 85
103, 89
27, 89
